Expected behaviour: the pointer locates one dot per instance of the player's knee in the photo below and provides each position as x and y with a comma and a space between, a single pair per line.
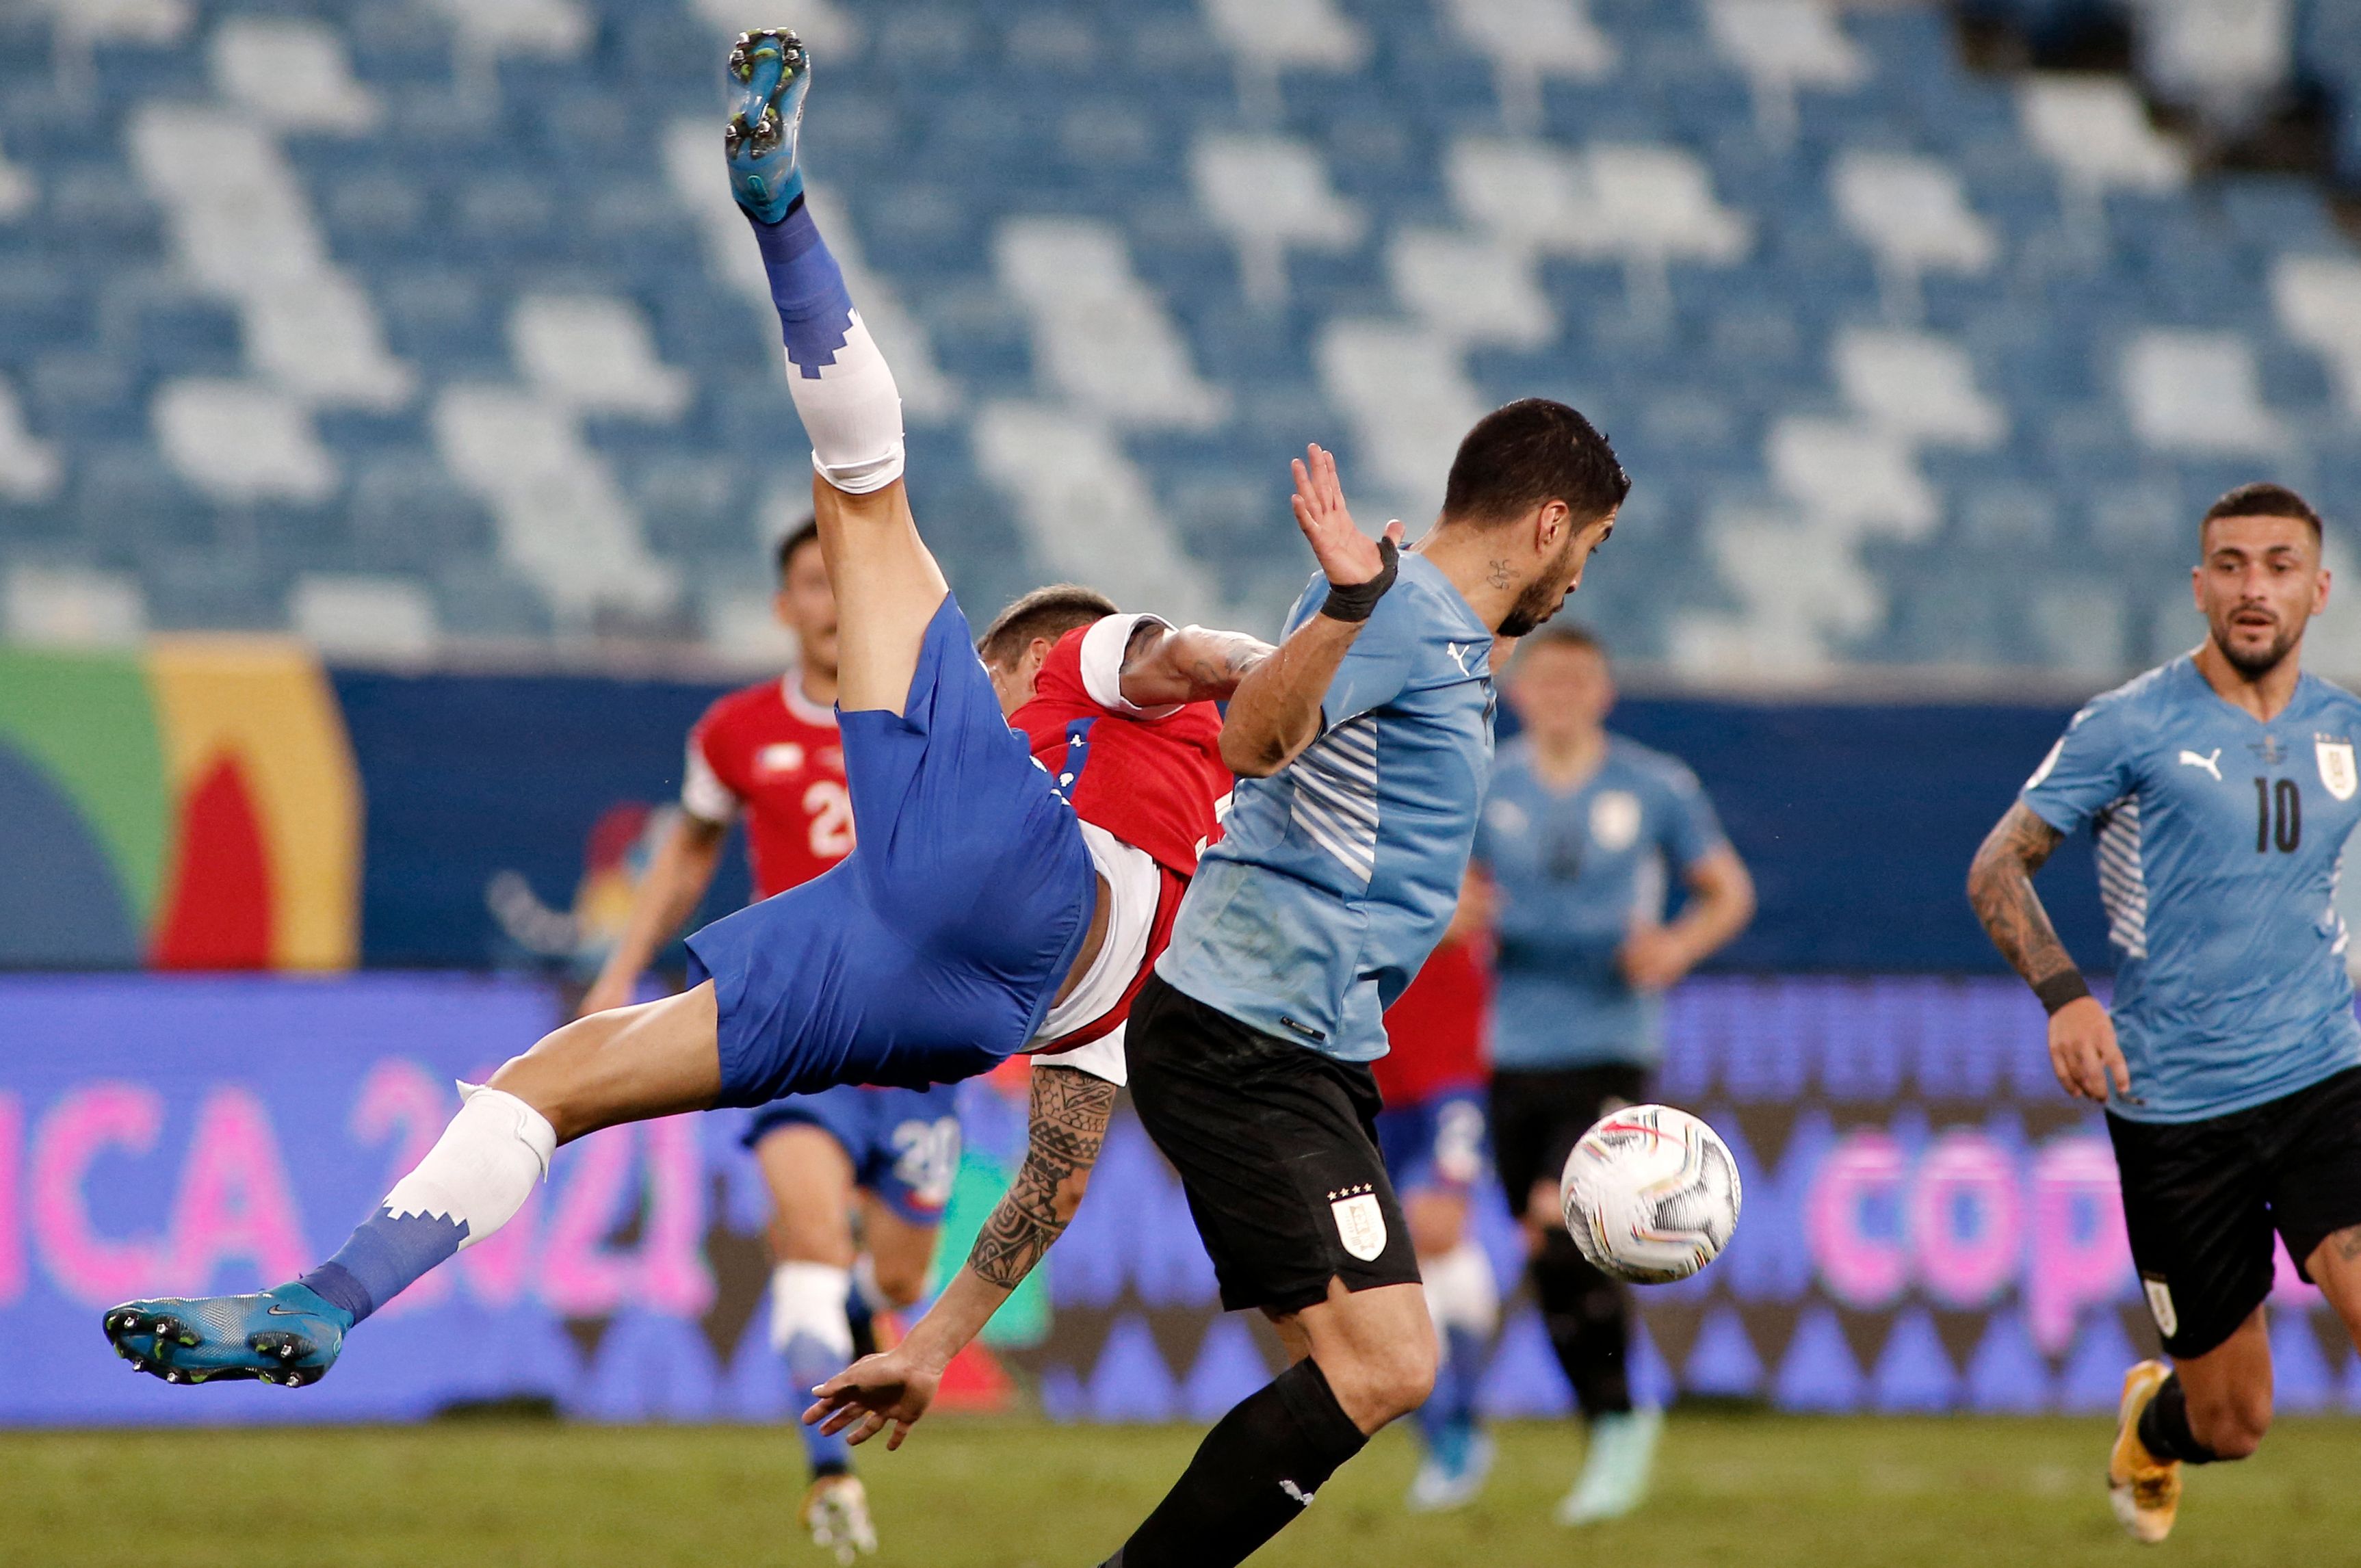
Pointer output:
900, 1281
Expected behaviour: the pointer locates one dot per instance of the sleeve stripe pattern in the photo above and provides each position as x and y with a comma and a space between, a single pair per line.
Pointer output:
2123, 886
1336, 793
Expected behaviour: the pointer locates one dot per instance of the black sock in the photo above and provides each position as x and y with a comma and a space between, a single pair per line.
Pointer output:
1588, 1320
1253, 1473
2164, 1426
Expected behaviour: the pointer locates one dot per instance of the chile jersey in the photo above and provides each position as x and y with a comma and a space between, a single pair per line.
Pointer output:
1575, 873
1336, 875
775, 753
1152, 779
1436, 1027
2219, 842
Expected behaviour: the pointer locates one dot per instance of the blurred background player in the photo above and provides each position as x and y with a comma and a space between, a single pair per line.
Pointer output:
1582, 832
2221, 789
858, 1174
1431, 1133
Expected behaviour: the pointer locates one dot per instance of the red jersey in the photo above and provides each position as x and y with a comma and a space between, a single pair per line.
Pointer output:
1436, 1027
775, 753
1152, 778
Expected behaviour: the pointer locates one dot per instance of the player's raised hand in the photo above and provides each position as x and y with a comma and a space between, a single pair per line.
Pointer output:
1345, 554
2082, 1050
892, 1388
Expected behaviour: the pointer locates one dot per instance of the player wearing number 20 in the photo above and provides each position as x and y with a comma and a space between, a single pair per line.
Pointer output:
2220, 790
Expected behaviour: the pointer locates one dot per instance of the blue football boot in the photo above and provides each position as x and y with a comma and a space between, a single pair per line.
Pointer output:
775, 72
289, 1336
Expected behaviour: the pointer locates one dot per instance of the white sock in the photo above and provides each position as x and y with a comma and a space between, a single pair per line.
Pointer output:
482, 1169
852, 411
807, 1298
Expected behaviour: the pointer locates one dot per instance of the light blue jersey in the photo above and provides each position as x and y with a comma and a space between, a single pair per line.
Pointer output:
1575, 871
2219, 841
1335, 877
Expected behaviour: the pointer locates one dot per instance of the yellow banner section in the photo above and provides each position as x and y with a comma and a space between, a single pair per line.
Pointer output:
265, 704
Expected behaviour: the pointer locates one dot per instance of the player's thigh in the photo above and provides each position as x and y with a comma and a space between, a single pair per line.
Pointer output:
887, 585
809, 1176
2315, 1187
2197, 1213
658, 1058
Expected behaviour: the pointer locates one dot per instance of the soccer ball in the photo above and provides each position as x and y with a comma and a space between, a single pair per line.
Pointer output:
1650, 1194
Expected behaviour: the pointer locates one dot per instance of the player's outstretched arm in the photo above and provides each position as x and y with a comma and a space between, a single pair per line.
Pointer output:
2083, 1049
1166, 664
1276, 711
676, 884
1069, 1123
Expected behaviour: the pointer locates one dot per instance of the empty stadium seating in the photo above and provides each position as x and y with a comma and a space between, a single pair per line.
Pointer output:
416, 322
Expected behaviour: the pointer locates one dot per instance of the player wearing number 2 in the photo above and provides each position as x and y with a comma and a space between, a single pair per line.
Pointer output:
2221, 789
770, 753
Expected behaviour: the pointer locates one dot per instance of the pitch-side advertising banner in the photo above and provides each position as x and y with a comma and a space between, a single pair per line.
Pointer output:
1930, 1225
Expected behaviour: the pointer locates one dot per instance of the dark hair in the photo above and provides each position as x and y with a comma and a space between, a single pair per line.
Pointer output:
803, 534
1529, 452
1558, 635
2263, 498
1049, 612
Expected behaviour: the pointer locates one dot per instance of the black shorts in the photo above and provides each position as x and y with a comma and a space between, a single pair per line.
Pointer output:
1538, 1118
1276, 1148
2200, 1200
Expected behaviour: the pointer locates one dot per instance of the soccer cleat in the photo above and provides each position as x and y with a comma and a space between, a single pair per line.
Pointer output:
1616, 1472
770, 63
1453, 1474
289, 1336
836, 1511
2144, 1490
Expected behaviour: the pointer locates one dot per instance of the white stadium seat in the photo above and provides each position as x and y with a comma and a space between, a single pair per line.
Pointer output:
1528, 39
1852, 477
1269, 195
2199, 392
1914, 215
2095, 129
1470, 289
31, 469
291, 74
1100, 335
1781, 46
1089, 513
2318, 302
1408, 399
359, 616
72, 606
241, 442
1918, 386
593, 353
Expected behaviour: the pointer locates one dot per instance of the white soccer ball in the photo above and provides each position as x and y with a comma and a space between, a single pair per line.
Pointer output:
1650, 1194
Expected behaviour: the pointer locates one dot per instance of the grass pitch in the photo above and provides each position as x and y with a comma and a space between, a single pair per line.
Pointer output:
1762, 1491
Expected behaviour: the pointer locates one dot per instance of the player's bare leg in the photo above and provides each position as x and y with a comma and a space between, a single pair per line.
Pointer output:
2200, 1409
628, 1064
1375, 1347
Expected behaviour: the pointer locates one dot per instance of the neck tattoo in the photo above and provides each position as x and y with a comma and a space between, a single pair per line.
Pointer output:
1498, 577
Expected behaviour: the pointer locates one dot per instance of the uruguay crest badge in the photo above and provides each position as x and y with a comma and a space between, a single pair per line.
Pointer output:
2337, 769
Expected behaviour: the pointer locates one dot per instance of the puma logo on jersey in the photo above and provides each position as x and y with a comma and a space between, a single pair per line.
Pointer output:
2208, 763
1458, 651
1303, 1499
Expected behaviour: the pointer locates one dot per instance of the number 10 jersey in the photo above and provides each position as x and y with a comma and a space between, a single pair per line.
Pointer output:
2219, 841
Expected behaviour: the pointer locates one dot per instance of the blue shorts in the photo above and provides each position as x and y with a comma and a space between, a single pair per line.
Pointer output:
904, 1142
1440, 1141
934, 949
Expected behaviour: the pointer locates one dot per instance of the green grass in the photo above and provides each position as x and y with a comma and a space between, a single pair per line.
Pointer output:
1762, 1491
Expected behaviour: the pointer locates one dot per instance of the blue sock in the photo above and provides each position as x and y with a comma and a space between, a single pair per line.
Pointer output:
381, 1257
808, 287
1467, 1367
810, 1362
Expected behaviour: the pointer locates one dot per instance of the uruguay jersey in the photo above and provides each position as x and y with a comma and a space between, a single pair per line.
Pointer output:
1337, 876
1575, 871
2219, 842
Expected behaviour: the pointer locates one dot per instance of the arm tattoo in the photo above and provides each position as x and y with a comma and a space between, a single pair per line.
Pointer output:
1070, 1115
2000, 885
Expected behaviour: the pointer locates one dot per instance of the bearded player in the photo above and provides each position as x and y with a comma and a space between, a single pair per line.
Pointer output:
2220, 790
882, 1159
975, 918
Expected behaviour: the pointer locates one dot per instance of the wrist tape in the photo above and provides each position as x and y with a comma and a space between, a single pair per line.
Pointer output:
2067, 986
1354, 601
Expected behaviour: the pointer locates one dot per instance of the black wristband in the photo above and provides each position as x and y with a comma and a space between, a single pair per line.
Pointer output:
1354, 601
2065, 986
